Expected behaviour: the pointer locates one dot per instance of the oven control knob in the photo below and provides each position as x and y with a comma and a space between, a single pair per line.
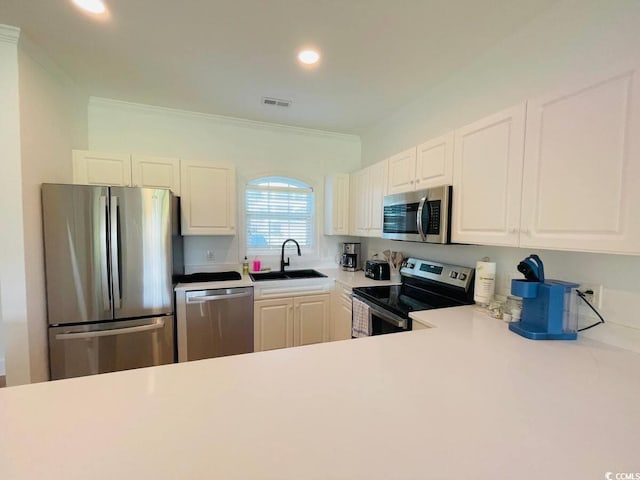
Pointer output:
462, 276
453, 274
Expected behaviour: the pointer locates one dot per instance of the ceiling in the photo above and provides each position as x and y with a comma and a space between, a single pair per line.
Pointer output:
223, 56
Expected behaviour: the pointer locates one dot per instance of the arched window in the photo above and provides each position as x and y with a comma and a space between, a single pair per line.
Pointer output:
278, 208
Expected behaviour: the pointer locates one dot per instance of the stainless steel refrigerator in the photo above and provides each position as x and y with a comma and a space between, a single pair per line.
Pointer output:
108, 262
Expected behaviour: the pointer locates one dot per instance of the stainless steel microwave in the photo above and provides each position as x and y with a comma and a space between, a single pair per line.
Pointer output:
419, 216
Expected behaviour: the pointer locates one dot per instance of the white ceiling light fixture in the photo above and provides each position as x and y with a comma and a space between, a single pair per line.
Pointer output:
309, 57
92, 6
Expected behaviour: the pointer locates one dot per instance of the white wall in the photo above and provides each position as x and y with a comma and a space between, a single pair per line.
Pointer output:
255, 148
13, 303
53, 119
572, 39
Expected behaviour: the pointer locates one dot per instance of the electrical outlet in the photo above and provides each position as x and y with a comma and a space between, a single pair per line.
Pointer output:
211, 255
594, 298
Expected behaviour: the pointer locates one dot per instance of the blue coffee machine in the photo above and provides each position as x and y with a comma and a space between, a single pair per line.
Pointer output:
549, 310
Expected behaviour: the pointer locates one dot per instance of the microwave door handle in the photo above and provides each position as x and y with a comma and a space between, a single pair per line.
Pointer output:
421, 231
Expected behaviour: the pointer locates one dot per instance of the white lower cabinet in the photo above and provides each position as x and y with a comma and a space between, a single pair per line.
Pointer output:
291, 321
340, 327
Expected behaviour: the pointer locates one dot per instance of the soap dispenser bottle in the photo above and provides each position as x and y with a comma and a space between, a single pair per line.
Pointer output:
245, 266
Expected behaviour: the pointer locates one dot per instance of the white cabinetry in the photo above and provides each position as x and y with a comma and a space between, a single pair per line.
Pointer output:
340, 326
336, 195
156, 172
487, 179
582, 167
311, 319
292, 321
208, 198
430, 164
101, 168
122, 169
402, 171
367, 195
273, 324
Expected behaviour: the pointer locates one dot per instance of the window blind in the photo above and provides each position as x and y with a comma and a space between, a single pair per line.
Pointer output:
278, 208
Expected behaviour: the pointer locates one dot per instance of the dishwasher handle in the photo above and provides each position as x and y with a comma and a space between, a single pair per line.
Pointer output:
224, 296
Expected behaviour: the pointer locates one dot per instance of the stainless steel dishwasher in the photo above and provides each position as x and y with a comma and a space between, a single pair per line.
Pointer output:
214, 323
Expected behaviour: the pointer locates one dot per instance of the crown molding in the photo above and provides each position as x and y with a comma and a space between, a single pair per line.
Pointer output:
241, 122
9, 34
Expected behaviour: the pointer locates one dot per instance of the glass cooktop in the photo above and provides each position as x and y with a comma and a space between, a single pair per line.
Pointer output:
403, 299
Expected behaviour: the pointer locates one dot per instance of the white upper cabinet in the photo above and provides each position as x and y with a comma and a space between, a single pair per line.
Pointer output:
430, 164
402, 172
156, 172
487, 179
336, 197
208, 202
99, 168
434, 162
581, 184
367, 195
122, 169
360, 205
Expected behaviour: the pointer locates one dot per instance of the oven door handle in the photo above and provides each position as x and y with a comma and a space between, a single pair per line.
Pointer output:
423, 235
383, 314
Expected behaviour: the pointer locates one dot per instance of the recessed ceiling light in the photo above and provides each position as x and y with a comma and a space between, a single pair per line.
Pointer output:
309, 57
91, 6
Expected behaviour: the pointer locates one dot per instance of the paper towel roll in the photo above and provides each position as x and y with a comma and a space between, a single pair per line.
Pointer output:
485, 284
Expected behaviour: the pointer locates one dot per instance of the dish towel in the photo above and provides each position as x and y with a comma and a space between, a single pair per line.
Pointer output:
361, 321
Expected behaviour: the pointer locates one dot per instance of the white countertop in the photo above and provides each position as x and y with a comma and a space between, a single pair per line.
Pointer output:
351, 279
467, 399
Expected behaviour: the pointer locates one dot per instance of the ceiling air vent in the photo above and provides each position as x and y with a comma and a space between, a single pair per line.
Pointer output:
276, 102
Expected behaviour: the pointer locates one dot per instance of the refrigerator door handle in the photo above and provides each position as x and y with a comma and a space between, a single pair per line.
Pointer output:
115, 250
104, 268
158, 324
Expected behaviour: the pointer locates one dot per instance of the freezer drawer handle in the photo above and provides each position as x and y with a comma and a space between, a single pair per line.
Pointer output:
158, 324
217, 297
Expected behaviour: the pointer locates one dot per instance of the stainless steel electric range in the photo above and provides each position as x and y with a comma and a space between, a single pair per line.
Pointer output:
425, 285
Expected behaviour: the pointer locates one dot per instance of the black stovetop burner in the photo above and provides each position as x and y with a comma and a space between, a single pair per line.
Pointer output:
404, 299
207, 277
426, 285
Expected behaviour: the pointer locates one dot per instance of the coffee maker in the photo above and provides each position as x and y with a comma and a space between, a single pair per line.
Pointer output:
351, 259
549, 310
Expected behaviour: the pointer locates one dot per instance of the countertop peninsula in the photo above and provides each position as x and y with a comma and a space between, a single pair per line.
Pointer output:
465, 399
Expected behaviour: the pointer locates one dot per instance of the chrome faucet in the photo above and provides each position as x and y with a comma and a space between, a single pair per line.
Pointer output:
282, 262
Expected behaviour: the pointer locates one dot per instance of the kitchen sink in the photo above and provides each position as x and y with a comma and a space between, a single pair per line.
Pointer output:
287, 275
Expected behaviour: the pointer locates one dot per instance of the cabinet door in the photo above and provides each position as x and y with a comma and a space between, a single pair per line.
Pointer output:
273, 324
99, 168
311, 319
208, 198
156, 172
336, 191
341, 313
377, 176
487, 179
402, 172
434, 162
582, 168
360, 205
